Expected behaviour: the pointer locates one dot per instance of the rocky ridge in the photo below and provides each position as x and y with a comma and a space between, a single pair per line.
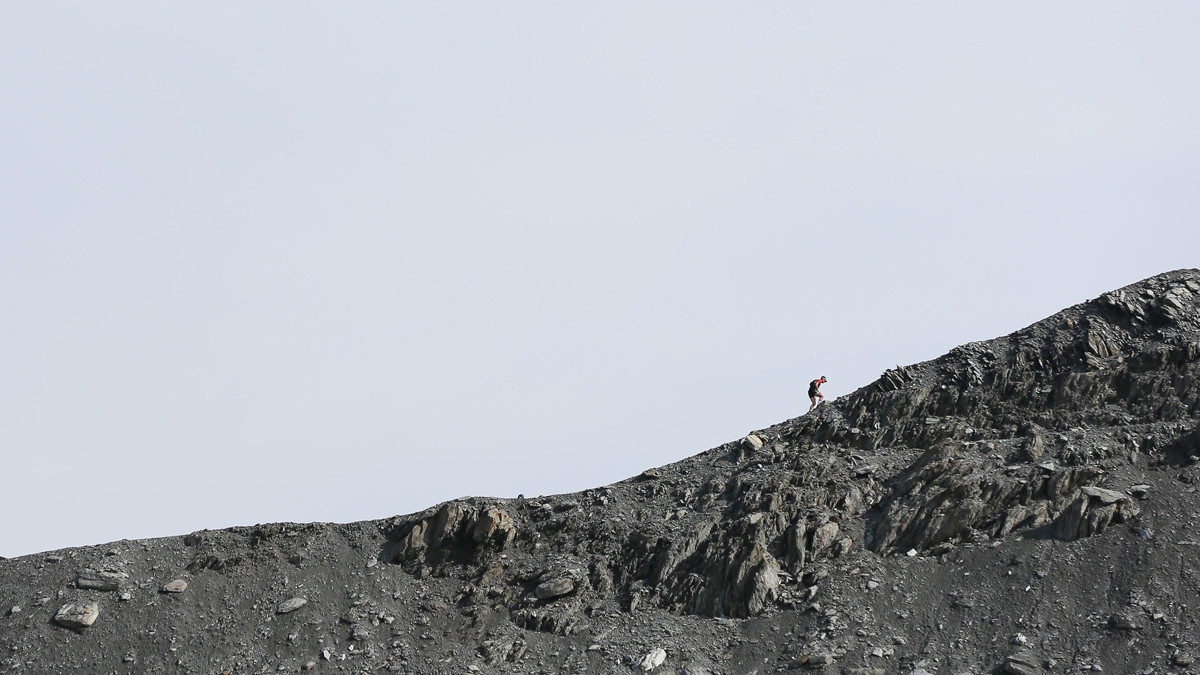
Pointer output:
1023, 504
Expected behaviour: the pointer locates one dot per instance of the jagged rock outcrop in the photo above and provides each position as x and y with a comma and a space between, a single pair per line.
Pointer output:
1126, 358
456, 532
722, 552
978, 419
954, 492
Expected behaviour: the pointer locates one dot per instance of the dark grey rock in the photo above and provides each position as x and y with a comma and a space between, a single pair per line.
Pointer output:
1022, 664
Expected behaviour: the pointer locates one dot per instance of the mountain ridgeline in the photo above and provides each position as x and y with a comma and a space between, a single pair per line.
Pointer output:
1024, 505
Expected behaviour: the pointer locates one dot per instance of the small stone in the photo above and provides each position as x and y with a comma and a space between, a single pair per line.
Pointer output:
309, 666
16, 609
53, 558
652, 660
77, 615
125, 596
912, 553
554, 588
290, 605
820, 659
1021, 664
176, 586
1020, 639
1123, 622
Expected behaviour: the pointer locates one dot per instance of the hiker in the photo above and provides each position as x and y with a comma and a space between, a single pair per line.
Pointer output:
814, 391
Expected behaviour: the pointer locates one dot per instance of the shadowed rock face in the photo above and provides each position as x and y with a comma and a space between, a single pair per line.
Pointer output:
964, 513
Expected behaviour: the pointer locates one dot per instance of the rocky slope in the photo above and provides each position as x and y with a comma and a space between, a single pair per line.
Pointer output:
1023, 505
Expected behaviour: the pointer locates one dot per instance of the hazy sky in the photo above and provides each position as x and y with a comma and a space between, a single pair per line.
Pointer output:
295, 261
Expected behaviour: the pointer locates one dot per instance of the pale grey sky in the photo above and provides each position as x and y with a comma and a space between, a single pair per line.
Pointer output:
338, 261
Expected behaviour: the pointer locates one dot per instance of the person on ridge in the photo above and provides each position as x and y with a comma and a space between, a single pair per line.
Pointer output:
814, 391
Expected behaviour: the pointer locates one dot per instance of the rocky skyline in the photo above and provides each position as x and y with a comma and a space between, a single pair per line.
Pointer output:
1025, 504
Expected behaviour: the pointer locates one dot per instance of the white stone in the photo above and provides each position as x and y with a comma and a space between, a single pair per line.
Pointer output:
652, 660
176, 586
290, 605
